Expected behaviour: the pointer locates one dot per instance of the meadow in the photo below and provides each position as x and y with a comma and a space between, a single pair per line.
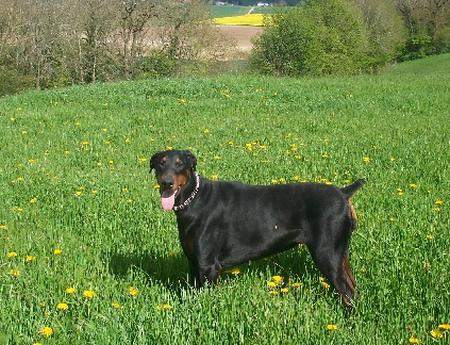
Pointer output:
87, 256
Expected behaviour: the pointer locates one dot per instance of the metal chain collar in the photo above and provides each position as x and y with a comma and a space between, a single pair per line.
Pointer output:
191, 197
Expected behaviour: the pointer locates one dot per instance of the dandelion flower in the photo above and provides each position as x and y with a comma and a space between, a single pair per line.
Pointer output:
271, 285
429, 237
14, 273
29, 258
46, 331
89, 294
324, 284
414, 340
249, 147
439, 202
62, 306
332, 327
295, 285
277, 279
284, 290
366, 159
413, 186
37, 343
436, 334
3, 227
11, 255
444, 327
116, 305
274, 292
57, 251
133, 291
33, 200
70, 290
164, 307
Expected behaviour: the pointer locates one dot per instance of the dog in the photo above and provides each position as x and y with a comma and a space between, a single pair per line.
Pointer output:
224, 224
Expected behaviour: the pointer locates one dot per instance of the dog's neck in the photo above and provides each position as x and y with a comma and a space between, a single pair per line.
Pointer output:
188, 194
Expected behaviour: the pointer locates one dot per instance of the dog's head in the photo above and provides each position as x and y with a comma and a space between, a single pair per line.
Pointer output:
173, 169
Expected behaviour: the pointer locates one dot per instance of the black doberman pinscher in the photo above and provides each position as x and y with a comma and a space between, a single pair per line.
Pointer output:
223, 224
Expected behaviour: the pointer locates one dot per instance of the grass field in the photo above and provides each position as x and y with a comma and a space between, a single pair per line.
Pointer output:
79, 209
229, 11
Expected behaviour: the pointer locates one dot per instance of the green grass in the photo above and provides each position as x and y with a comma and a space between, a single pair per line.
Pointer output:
74, 176
230, 11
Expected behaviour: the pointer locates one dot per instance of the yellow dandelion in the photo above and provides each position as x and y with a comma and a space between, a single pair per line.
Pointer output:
89, 294
444, 327
33, 200
414, 340
164, 307
133, 291
182, 101
70, 290
37, 343
271, 285
249, 147
116, 305
366, 159
295, 285
205, 130
296, 178
142, 159
413, 186
439, 202
14, 272
78, 193
57, 251
11, 255
332, 327
324, 284
429, 237
62, 306
3, 227
277, 279
84, 142
217, 157
32, 161
110, 162
274, 292
29, 258
436, 334
17, 209
156, 186
284, 290
46, 331
234, 271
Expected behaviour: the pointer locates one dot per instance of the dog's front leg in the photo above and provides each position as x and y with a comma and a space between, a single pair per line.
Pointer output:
208, 272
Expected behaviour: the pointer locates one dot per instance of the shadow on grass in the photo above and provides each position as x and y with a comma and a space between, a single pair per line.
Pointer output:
172, 271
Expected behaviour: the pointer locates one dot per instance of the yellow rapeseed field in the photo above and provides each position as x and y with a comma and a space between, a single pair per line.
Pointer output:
254, 19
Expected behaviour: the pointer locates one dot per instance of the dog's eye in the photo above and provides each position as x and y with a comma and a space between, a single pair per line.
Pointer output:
179, 164
162, 162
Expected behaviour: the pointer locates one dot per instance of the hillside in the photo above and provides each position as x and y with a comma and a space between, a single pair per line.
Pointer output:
81, 211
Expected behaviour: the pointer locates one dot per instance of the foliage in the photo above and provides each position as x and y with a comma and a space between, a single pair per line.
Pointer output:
318, 38
79, 208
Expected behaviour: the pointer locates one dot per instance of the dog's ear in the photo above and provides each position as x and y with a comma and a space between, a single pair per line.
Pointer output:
154, 161
192, 160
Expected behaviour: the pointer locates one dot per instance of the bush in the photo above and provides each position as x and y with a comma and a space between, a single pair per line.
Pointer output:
318, 38
12, 82
156, 65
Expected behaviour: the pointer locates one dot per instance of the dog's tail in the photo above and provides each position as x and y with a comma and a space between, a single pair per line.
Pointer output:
348, 192
352, 188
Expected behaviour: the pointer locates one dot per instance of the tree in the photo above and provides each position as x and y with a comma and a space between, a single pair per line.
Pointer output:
318, 38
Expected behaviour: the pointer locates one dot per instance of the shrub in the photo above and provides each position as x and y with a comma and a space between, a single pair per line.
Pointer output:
318, 38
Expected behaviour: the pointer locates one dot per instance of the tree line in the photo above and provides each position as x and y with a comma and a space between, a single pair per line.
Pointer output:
49, 43
321, 37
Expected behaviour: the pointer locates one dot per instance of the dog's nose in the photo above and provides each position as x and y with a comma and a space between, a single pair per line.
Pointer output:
166, 183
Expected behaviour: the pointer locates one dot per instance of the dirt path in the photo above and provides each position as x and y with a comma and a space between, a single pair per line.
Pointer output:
242, 35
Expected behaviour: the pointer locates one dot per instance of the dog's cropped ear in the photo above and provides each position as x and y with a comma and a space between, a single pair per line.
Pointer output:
154, 161
192, 160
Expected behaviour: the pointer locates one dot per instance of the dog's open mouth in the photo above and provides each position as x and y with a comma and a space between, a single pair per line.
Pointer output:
168, 199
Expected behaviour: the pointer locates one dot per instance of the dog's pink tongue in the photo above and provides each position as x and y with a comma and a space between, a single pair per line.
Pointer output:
167, 203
